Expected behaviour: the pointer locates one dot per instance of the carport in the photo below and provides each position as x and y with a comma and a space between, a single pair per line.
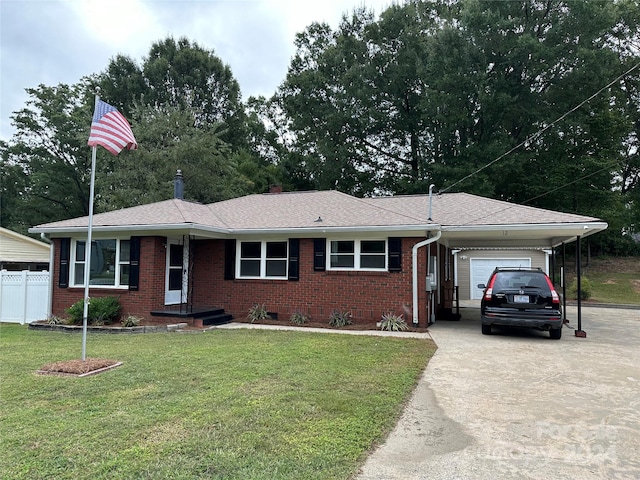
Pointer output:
550, 236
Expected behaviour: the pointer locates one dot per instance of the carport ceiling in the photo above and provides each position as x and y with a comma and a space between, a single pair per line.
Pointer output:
519, 235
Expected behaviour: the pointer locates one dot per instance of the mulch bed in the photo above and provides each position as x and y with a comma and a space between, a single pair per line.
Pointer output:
79, 368
312, 324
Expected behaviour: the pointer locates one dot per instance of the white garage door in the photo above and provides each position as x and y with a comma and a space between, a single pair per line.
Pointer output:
481, 269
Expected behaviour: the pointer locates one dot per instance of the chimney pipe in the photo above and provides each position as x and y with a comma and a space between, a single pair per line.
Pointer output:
430, 200
178, 186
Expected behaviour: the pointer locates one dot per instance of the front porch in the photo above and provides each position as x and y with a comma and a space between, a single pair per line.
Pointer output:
195, 316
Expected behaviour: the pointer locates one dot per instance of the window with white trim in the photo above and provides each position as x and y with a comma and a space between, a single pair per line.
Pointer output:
109, 262
263, 259
357, 254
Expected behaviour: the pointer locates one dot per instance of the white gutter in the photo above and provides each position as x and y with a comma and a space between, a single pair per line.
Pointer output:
590, 227
414, 265
195, 228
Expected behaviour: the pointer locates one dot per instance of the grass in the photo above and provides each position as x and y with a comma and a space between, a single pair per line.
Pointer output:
619, 288
243, 404
614, 280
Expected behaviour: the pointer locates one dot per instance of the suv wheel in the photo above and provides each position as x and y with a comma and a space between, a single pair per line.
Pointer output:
486, 329
555, 333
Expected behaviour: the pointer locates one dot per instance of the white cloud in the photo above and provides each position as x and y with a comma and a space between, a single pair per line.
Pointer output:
60, 41
121, 25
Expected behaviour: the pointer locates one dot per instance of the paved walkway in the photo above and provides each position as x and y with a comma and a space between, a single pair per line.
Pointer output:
519, 405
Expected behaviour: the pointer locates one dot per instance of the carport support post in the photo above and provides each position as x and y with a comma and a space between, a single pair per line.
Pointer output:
579, 332
563, 280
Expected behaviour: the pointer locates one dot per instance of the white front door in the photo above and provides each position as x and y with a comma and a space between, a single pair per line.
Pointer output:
481, 269
176, 277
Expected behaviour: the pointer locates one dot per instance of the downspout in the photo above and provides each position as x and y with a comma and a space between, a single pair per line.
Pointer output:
43, 236
414, 259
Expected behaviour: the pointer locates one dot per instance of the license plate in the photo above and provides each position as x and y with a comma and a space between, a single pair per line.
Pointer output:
521, 299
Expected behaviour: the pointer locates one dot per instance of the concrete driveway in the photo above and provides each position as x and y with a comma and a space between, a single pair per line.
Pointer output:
519, 405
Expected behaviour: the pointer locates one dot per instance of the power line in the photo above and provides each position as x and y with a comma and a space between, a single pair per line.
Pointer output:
606, 167
544, 129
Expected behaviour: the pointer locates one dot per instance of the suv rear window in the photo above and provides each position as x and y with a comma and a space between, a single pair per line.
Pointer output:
517, 280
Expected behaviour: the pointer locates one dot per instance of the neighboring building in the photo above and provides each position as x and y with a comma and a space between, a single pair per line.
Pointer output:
309, 251
19, 252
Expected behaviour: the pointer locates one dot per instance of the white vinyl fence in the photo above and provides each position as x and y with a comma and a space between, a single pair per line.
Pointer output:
24, 296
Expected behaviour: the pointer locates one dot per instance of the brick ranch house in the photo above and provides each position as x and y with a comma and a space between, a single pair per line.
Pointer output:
301, 251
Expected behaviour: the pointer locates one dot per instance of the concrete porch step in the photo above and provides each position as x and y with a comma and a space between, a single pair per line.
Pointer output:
217, 319
187, 312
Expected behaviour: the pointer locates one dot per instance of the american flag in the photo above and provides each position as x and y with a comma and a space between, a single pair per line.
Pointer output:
110, 129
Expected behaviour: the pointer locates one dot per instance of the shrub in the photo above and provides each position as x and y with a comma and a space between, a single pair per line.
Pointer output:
102, 311
393, 323
258, 312
340, 319
586, 289
131, 321
299, 318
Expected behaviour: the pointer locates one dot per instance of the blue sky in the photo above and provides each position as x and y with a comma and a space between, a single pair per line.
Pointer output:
59, 41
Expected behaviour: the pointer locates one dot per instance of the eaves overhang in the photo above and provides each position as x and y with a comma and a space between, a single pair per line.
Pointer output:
309, 232
532, 235
216, 232
158, 229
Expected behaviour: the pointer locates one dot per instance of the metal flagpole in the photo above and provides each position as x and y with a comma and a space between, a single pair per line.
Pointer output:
87, 249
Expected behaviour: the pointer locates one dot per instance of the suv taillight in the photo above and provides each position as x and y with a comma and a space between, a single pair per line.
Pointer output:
555, 298
489, 290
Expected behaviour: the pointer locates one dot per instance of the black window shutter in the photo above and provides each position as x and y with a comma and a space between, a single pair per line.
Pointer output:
229, 259
395, 254
319, 254
65, 255
134, 264
294, 259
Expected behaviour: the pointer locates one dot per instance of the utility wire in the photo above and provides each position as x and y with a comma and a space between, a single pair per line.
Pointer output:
544, 129
509, 206
606, 167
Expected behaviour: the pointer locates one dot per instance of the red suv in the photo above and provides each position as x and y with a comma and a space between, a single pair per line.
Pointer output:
520, 297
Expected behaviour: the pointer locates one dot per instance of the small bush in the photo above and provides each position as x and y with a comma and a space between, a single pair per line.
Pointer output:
586, 289
131, 321
393, 323
257, 312
102, 311
299, 318
340, 319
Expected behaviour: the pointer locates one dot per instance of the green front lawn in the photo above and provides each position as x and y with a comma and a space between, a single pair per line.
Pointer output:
225, 404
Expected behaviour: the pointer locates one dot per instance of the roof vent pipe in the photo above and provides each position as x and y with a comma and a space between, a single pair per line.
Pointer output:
430, 199
178, 186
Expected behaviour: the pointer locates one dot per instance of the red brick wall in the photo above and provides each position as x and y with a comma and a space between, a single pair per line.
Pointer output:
150, 295
366, 294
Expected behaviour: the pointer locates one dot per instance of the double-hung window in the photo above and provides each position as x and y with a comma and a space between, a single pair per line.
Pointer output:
357, 254
109, 266
263, 259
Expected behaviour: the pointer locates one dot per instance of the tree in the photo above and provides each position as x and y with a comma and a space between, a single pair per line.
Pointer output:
186, 112
168, 141
47, 161
475, 95
13, 183
179, 74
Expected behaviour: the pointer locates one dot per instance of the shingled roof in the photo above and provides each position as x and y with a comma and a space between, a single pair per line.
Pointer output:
325, 211
457, 209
